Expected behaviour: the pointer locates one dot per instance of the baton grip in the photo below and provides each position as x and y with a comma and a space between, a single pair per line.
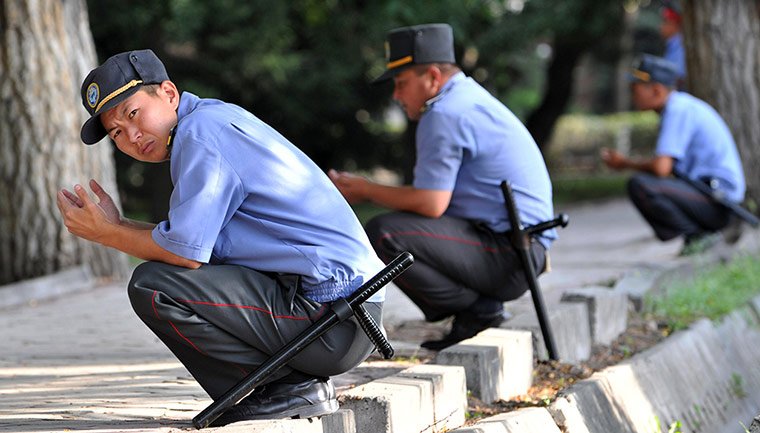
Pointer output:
373, 331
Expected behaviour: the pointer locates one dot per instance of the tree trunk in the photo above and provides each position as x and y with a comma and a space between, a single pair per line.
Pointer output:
559, 79
722, 42
45, 51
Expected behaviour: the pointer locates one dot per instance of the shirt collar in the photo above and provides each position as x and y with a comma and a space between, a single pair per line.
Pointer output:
187, 103
450, 83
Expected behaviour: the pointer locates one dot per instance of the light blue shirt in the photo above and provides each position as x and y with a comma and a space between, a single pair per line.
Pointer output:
468, 142
694, 134
674, 52
244, 195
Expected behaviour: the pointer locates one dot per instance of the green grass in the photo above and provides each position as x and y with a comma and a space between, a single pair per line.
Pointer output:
710, 294
575, 189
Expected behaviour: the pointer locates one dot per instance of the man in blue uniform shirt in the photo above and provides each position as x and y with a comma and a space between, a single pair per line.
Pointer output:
257, 240
695, 141
670, 30
453, 219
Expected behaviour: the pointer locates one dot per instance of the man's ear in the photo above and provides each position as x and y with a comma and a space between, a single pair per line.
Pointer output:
661, 91
436, 77
171, 92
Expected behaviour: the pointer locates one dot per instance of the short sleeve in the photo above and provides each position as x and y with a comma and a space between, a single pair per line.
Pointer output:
676, 131
439, 154
207, 192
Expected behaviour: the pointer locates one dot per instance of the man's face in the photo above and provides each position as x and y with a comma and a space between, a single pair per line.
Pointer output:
411, 90
643, 95
669, 28
141, 124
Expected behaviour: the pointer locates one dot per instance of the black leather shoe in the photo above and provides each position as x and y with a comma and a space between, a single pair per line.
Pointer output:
314, 397
466, 325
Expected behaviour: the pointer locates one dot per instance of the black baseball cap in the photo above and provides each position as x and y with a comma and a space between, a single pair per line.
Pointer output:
111, 83
415, 45
652, 69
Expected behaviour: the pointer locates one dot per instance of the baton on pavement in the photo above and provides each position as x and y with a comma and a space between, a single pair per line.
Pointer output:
718, 197
340, 310
520, 239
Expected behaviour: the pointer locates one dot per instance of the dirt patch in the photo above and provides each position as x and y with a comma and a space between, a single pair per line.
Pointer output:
549, 377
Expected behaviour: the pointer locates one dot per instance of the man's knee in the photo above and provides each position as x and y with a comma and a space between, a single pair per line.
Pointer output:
636, 184
140, 284
377, 228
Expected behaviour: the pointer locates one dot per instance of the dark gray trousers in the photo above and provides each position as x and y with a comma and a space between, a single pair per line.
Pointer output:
455, 261
223, 321
674, 208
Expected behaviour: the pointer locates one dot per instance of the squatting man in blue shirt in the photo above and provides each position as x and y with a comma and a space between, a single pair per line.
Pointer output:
257, 240
453, 219
695, 141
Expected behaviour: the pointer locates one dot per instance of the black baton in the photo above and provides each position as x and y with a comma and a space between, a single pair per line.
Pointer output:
719, 198
520, 239
340, 310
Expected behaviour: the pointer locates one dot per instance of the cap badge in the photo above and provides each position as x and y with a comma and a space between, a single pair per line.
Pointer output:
93, 94
387, 51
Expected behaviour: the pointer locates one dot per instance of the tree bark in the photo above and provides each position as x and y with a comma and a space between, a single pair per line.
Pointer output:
45, 51
722, 42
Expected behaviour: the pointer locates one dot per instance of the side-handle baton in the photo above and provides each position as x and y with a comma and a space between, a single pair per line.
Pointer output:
719, 198
520, 239
340, 310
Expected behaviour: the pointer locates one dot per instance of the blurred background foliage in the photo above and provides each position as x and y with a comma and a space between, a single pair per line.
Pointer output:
305, 66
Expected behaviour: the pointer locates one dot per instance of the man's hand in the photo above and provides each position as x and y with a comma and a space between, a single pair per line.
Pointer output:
85, 218
104, 201
613, 159
353, 187
102, 223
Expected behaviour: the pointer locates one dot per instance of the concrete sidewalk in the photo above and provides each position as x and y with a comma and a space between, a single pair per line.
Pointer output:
84, 361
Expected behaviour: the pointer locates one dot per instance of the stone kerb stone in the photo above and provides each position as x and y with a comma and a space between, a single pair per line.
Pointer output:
528, 420
342, 421
449, 393
409, 401
570, 327
273, 426
498, 363
67, 281
705, 378
755, 426
607, 311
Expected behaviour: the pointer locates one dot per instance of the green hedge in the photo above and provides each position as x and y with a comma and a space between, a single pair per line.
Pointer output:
577, 138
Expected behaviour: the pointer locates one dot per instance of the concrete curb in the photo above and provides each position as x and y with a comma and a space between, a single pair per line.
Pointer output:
274, 426
570, 327
704, 377
607, 312
498, 363
26, 292
424, 398
528, 420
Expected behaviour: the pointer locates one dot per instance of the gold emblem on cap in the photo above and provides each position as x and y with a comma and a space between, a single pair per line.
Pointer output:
641, 75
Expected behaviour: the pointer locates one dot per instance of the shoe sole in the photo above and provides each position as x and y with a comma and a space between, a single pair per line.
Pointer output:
310, 411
